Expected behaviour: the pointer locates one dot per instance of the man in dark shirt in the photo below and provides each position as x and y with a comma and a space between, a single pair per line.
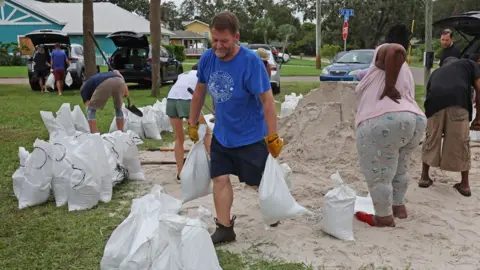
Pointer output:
97, 90
448, 107
41, 67
449, 49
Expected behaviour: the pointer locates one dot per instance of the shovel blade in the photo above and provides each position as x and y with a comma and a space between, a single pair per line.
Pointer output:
133, 109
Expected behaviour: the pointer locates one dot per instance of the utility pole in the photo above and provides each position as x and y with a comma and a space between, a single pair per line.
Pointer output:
319, 34
428, 41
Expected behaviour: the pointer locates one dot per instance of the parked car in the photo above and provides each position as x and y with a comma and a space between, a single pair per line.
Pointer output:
133, 59
272, 49
275, 77
467, 23
48, 38
284, 57
347, 66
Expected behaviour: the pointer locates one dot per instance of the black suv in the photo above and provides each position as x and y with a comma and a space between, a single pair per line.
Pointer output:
467, 24
133, 59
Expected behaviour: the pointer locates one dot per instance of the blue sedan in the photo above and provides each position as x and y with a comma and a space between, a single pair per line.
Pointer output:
347, 66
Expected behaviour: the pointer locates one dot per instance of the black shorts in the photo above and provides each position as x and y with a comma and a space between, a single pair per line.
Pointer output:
247, 162
42, 73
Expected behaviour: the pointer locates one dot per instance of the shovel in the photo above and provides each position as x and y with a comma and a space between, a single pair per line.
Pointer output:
132, 108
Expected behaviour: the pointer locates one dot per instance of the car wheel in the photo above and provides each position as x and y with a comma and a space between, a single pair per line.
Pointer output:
276, 89
35, 86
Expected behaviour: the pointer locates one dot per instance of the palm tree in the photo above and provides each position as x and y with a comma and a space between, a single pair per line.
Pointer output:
285, 31
264, 26
155, 34
88, 45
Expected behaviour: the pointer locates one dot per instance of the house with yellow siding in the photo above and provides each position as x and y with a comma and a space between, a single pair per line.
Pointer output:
198, 27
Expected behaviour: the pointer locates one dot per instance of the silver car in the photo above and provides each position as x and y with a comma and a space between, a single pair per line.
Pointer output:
275, 76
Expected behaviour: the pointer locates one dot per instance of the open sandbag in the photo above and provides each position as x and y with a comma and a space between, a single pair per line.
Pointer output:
149, 124
276, 201
35, 189
18, 176
197, 250
64, 117
85, 183
79, 120
160, 109
130, 157
120, 243
53, 125
195, 174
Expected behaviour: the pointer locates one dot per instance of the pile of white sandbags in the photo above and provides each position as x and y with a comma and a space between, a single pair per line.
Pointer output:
289, 105
81, 168
151, 125
154, 236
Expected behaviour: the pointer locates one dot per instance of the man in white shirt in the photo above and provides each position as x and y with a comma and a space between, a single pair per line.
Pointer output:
178, 108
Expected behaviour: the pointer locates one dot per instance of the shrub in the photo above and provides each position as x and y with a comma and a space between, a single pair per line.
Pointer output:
329, 51
177, 50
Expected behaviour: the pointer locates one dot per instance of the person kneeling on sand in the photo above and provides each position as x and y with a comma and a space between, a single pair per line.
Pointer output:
245, 129
448, 107
389, 126
178, 108
97, 90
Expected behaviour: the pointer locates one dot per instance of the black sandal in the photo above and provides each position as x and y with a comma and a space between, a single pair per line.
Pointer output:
461, 191
425, 183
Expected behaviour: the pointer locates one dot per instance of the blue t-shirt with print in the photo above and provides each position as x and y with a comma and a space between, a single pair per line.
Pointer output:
235, 85
59, 58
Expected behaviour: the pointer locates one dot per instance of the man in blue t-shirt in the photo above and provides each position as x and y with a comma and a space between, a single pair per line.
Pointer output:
245, 129
59, 62
97, 90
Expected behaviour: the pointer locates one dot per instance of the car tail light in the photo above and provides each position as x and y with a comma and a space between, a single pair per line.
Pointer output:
73, 59
273, 67
149, 60
275, 52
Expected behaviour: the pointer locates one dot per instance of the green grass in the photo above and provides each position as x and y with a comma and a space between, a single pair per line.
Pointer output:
287, 70
303, 62
420, 95
47, 237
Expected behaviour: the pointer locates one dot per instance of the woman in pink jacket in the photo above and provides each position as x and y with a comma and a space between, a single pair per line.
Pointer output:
389, 126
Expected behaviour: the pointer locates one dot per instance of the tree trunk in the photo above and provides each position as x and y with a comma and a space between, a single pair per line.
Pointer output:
155, 35
88, 44
285, 43
265, 37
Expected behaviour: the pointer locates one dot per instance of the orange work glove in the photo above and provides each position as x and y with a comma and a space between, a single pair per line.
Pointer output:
193, 132
274, 144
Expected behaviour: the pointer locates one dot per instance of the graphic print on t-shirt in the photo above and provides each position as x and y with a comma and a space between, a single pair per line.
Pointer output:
220, 86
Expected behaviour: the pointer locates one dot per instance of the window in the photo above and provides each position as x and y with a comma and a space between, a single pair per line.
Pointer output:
163, 52
206, 34
78, 51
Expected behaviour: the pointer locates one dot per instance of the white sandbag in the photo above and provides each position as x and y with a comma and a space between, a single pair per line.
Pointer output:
79, 120
276, 201
134, 137
364, 204
106, 175
198, 251
64, 117
474, 135
289, 105
156, 202
163, 122
287, 172
50, 83
130, 157
195, 175
53, 125
114, 151
84, 192
157, 244
68, 79
18, 176
135, 124
208, 117
338, 210
35, 189
149, 124
113, 125
62, 170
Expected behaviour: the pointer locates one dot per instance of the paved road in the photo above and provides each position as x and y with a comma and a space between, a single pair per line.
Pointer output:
417, 75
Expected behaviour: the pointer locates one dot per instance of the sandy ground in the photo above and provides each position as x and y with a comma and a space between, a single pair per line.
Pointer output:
441, 231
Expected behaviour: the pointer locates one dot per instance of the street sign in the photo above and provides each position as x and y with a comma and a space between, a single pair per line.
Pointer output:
346, 13
345, 30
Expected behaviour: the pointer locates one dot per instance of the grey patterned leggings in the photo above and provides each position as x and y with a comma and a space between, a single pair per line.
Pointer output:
384, 144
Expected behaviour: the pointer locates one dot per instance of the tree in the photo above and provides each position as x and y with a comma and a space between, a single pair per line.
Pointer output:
88, 43
155, 32
264, 27
286, 31
171, 16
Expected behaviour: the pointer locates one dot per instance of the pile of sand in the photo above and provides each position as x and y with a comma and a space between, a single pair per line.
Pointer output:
440, 232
